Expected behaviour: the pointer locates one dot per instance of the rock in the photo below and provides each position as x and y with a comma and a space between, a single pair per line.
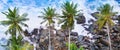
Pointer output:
80, 38
81, 19
104, 42
94, 15
97, 36
35, 31
32, 39
116, 29
74, 34
91, 21
26, 33
102, 32
60, 33
119, 19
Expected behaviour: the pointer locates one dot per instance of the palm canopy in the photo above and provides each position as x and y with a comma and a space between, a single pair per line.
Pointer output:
105, 14
48, 15
14, 20
69, 10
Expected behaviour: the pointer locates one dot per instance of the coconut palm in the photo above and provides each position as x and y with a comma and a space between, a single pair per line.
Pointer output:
69, 11
48, 16
105, 14
14, 22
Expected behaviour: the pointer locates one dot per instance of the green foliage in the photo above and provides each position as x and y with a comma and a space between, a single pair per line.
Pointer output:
69, 10
27, 46
74, 47
81, 48
14, 21
48, 15
15, 43
105, 14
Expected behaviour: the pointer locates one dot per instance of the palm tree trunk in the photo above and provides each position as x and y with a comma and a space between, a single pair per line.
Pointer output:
108, 31
14, 38
49, 47
69, 39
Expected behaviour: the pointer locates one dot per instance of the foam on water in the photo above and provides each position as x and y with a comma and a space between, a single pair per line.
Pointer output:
33, 10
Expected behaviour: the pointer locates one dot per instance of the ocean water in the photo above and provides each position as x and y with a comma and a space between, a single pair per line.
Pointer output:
33, 9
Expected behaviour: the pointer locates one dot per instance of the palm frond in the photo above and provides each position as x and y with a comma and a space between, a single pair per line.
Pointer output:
24, 15
6, 22
43, 21
105, 14
23, 24
48, 15
69, 12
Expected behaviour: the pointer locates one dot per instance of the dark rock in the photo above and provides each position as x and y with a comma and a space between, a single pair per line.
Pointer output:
116, 29
35, 31
119, 19
91, 28
26, 33
73, 38
74, 34
102, 32
91, 20
95, 15
105, 42
32, 39
81, 19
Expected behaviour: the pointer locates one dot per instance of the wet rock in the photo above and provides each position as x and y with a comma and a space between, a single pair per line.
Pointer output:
26, 33
119, 19
35, 31
74, 34
90, 21
81, 19
80, 38
95, 15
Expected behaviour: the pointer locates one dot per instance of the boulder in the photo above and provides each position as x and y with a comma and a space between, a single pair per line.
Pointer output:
104, 42
81, 19
80, 38
35, 31
74, 34
26, 33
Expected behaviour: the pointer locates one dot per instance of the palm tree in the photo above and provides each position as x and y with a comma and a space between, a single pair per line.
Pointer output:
14, 22
69, 11
105, 14
48, 16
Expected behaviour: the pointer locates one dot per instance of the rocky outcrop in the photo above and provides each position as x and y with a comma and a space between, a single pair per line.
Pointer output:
100, 36
59, 38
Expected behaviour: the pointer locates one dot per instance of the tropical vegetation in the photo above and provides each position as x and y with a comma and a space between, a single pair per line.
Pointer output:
105, 32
